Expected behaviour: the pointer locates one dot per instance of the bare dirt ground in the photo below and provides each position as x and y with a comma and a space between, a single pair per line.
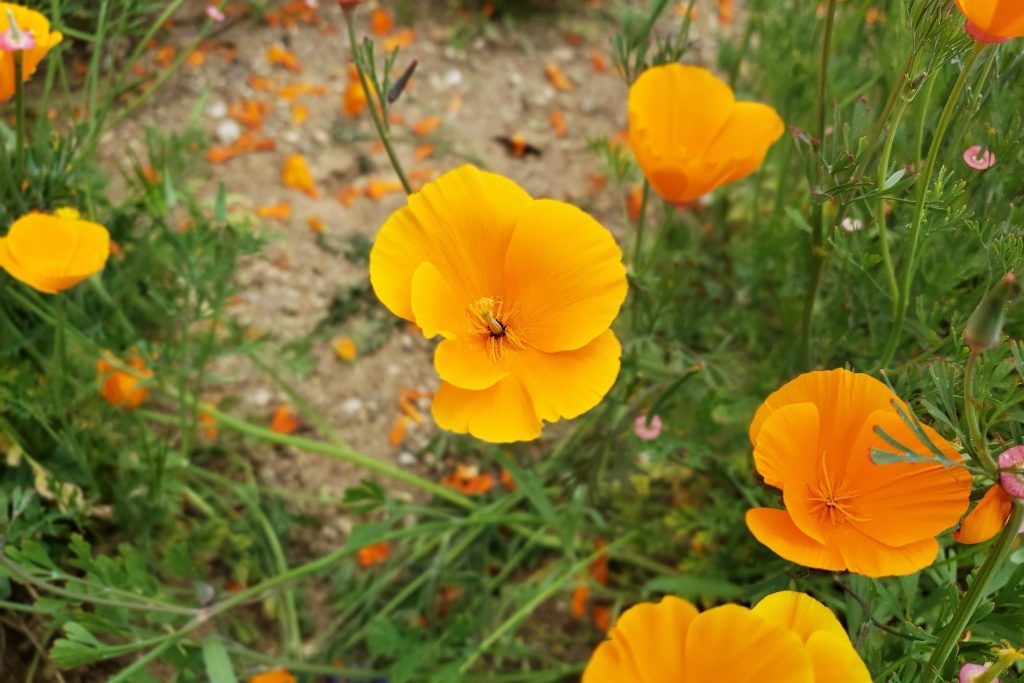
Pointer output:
483, 78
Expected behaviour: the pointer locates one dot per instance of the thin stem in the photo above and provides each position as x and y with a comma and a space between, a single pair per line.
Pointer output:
818, 253
979, 587
979, 443
883, 175
924, 184
19, 108
378, 122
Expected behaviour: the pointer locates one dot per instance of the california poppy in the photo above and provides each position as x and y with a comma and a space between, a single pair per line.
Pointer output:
53, 253
813, 439
523, 291
42, 40
788, 637
993, 21
987, 518
690, 135
120, 388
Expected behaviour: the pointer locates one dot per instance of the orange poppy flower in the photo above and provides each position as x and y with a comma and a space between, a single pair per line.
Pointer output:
373, 554
523, 291
275, 676
690, 135
345, 348
32, 22
813, 439
381, 22
282, 421
987, 518
119, 388
788, 637
993, 21
53, 253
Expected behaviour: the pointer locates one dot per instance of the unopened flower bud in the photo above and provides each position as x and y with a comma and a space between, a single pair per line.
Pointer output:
1011, 471
396, 90
986, 323
348, 5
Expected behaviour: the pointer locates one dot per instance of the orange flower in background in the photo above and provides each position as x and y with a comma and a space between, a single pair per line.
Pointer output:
523, 291
120, 388
468, 481
557, 78
373, 554
282, 421
281, 211
987, 518
53, 253
354, 100
279, 56
345, 348
690, 135
788, 637
295, 174
381, 22
275, 676
40, 41
813, 439
993, 21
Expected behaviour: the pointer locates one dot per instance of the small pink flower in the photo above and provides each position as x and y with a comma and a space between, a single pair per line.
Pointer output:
312, 4
977, 157
214, 13
851, 224
969, 672
645, 432
1011, 476
14, 39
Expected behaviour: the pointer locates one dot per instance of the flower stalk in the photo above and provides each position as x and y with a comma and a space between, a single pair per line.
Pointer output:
979, 587
924, 183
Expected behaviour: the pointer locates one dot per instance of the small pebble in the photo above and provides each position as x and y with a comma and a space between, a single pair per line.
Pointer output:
351, 406
228, 131
217, 110
406, 459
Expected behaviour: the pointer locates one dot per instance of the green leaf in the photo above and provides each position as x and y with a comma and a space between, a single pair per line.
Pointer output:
383, 638
218, 663
367, 534
533, 490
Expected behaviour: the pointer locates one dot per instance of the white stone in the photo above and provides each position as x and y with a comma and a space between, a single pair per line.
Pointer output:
228, 131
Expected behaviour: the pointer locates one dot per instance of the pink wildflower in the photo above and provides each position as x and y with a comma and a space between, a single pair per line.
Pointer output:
979, 158
214, 13
1011, 476
645, 432
970, 672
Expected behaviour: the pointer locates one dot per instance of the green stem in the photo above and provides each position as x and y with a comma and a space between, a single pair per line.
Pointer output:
818, 253
883, 175
641, 222
979, 443
382, 130
965, 610
924, 183
59, 365
19, 108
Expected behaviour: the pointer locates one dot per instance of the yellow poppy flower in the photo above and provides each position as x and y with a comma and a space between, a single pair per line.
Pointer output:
993, 21
53, 253
788, 637
44, 39
813, 440
523, 291
690, 135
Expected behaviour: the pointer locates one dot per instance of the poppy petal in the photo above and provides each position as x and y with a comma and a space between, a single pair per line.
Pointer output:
438, 307
645, 646
800, 613
466, 363
901, 503
775, 529
499, 414
563, 277
787, 431
569, 383
834, 659
765, 652
462, 223
865, 555
746, 136
987, 518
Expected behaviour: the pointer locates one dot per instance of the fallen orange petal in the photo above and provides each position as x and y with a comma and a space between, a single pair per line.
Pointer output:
634, 200
558, 122
316, 224
347, 196
507, 481
195, 58
423, 151
375, 189
260, 83
597, 61
381, 22
346, 349
280, 211
373, 554
602, 616
165, 55
426, 126
397, 434
275, 676
283, 422
296, 174
279, 56
557, 78
403, 38
300, 114
578, 603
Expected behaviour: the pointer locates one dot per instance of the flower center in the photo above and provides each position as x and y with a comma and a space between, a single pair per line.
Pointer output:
490, 316
836, 502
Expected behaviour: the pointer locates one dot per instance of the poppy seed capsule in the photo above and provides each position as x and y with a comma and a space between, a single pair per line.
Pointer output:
985, 325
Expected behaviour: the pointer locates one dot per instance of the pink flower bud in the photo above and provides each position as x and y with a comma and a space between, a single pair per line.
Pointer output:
645, 431
970, 672
1011, 474
214, 13
979, 158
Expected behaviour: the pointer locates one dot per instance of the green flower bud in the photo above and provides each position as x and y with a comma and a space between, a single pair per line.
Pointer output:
986, 323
